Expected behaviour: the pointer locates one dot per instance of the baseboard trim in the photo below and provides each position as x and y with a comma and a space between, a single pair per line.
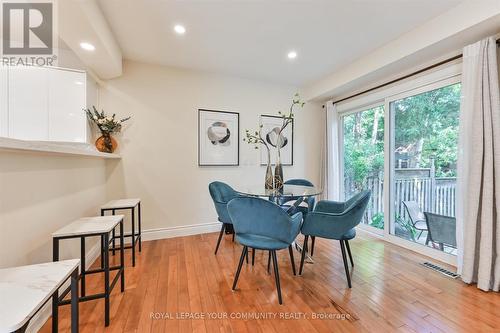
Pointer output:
185, 230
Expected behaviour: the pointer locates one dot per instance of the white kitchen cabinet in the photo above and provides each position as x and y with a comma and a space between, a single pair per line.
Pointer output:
44, 104
28, 103
67, 120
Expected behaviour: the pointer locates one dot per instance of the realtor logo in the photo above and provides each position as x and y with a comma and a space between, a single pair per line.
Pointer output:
28, 33
27, 28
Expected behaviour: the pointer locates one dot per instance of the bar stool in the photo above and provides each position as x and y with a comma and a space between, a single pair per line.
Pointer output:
85, 227
123, 204
25, 290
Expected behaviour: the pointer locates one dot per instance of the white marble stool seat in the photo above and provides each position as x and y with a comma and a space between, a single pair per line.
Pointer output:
25, 290
124, 204
82, 228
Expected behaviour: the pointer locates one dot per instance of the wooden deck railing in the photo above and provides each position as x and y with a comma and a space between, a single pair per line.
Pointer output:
435, 195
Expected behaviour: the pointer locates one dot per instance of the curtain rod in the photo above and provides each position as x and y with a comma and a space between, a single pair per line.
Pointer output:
404, 77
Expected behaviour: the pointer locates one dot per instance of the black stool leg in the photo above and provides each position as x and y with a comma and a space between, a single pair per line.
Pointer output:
220, 237
133, 237
113, 236
303, 254
74, 301
345, 263
139, 217
102, 252
349, 252
55, 311
84, 266
313, 241
253, 256
243, 254
269, 263
106, 280
102, 244
122, 257
290, 250
55, 295
276, 275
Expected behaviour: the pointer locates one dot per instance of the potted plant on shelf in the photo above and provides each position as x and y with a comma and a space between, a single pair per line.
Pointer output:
257, 139
107, 125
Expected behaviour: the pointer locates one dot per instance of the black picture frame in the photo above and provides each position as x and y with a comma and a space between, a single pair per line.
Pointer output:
292, 144
237, 163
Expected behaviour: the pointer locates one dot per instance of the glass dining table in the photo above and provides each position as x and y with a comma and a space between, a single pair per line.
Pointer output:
295, 193
287, 193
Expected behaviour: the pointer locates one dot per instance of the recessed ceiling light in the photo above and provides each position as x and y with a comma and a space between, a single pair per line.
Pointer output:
87, 46
180, 29
292, 55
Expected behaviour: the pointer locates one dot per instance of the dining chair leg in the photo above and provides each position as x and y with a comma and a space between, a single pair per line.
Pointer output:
233, 235
243, 254
269, 263
313, 240
427, 238
277, 275
303, 256
253, 256
246, 256
346, 242
220, 237
345, 263
290, 250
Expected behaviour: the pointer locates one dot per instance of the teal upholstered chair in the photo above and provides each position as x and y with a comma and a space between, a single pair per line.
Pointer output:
263, 225
221, 194
310, 201
336, 220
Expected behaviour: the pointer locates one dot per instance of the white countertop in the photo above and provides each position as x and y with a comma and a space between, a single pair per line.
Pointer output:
89, 225
24, 289
121, 203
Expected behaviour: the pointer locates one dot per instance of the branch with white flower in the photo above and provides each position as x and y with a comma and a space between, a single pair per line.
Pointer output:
106, 124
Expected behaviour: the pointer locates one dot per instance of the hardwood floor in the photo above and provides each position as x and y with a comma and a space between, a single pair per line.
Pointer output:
180, 278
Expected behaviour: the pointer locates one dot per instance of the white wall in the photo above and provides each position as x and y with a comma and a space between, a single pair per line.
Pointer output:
38, 195
159, 146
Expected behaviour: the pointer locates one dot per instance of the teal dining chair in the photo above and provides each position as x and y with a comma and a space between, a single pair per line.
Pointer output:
335, 220
221, 194
263, 225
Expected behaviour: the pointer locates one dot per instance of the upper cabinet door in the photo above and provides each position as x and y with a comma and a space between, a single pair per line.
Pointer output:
4, 103
28, 103
67, 120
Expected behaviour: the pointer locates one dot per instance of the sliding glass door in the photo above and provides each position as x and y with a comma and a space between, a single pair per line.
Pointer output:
363, 160
423, 146
404, 149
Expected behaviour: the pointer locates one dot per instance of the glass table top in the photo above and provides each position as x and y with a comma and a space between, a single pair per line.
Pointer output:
287, 191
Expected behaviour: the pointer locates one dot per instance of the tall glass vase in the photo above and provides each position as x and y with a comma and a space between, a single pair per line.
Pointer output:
269, 172
278, 172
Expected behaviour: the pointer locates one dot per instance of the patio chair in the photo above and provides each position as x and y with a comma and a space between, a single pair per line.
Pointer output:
441, 230
417, 218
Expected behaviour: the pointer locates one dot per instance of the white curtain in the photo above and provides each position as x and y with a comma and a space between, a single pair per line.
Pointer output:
478, 219
331, 165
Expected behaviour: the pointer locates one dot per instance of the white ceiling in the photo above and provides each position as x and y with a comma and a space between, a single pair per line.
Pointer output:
252, 38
